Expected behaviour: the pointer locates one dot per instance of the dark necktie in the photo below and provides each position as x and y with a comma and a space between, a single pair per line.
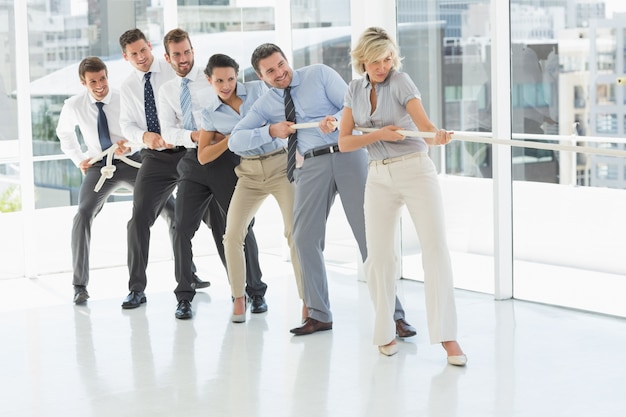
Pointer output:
152, 120
185, 105
290, 116
103, 129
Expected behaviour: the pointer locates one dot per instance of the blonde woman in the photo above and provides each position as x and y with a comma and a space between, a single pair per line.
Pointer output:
400, 173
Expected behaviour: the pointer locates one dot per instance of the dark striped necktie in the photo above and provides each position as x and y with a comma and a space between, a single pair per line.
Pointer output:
290, 116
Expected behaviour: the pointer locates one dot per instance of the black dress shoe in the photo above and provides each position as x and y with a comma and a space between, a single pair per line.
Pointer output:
134, 299
80, 294
183, 310
404, 329
311, 326
258, 304
198, 283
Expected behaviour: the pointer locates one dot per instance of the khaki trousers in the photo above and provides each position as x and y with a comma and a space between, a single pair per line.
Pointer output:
258, 178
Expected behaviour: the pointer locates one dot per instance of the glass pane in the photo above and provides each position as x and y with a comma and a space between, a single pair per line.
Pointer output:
9, 146
321, 35
61, 35
233, 30
10, 200
446, 50
11, 221
567, 240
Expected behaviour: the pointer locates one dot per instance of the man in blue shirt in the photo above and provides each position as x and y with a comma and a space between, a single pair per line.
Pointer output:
317, 92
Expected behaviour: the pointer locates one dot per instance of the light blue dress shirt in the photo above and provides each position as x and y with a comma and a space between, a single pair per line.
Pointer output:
392, 96
317, 91
220, 117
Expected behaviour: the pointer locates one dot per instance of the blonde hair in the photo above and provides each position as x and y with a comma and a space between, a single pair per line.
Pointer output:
373, 44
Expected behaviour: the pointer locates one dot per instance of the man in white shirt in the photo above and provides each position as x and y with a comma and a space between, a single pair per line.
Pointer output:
157, 177
181, 101
96, 112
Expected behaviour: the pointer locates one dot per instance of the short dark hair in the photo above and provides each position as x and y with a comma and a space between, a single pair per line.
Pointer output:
220, 61
91, 64
262, 52
131, 36
175, 36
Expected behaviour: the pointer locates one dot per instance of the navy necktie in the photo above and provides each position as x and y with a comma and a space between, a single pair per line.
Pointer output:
152, 120
103, 129
290, 116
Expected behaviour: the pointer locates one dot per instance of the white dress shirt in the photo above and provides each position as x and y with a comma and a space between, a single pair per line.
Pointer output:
170, 112
81, 110
133, 117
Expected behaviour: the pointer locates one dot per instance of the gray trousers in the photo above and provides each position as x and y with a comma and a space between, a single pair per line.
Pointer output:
318, 181
89, 205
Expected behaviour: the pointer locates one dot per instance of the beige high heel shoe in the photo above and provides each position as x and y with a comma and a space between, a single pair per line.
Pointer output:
456, 360
388, 349
240, 318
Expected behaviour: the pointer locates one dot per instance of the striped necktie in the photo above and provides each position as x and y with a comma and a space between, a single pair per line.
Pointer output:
290, 116
185, 105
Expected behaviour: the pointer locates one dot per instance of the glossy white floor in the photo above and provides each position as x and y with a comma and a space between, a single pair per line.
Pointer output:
99, 360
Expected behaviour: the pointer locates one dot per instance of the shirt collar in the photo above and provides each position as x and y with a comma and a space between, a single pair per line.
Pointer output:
105, 100
193, 74
295, 80
241, 90
154, 68
216, 103
366, 79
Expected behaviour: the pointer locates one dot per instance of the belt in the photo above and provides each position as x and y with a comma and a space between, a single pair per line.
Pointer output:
175, 149
265, 155
321, 151
398, 158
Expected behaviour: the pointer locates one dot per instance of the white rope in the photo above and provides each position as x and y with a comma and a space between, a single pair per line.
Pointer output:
481, 137
107, 171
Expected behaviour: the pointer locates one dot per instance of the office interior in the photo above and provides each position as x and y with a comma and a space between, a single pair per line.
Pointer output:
536, 235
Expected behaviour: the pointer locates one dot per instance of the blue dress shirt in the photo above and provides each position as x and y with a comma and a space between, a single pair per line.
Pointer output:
317, 91
220, 117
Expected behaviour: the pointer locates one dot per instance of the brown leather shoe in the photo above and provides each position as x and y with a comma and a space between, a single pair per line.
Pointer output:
404, 329
311, 326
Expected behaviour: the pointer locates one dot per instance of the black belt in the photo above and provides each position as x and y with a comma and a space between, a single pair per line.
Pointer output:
175, 149
321, 151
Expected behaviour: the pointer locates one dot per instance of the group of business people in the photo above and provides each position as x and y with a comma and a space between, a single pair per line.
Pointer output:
228, 145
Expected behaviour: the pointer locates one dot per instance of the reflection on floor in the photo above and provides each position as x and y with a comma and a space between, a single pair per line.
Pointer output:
525, 359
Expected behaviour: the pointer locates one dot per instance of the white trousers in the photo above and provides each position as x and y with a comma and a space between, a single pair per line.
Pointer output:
413, 182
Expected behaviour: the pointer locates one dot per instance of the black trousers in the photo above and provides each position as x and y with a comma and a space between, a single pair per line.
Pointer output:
156, 180
197, 184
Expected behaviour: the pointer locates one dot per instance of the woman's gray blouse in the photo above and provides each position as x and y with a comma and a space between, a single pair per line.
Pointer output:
392, 96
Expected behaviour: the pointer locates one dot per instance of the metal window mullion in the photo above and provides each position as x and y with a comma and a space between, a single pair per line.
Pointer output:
25, 134
502, 176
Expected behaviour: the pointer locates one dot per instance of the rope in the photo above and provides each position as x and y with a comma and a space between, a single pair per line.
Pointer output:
481, 137
107, 171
